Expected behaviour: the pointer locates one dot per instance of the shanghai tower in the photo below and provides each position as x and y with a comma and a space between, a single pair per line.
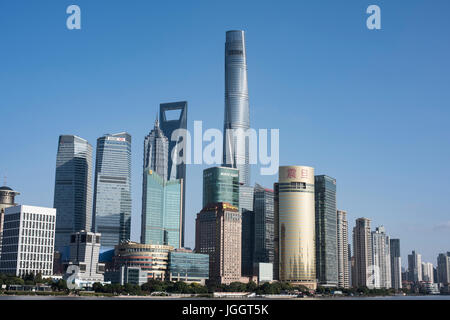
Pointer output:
237, 118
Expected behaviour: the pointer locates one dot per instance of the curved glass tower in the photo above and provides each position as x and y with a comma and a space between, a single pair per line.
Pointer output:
237, 118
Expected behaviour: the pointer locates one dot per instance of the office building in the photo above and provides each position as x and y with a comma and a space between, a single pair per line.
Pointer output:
127, 275
326, 230
173, 118
362, 250
381, 258
7, 198
151, 258
28, 240
396, 264
221, 184
342, 249
427, 272
263, 271
245, 198
248, 242
415, 267
295, 226
218, 230
73, 190
237, 116
112, 189
162, 211
84, 255
443, 268
188, 266
264, 224
156, 153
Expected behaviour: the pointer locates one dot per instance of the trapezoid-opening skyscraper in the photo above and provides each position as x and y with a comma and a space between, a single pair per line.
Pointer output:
237, 116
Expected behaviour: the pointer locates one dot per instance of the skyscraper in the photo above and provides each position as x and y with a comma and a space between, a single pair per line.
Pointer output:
443, 268
362, 249
381, 258
162, 200
245, 198
162, 219
173, 116
427, 272
295, 226
264, 224
221, 184
156, 152
415, 267
342, 249
326, 230
112, 188
247, 242
218, 229
237, 116
73, 189
396, 264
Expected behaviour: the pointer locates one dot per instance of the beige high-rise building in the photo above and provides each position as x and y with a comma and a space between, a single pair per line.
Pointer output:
295, 226
342, 249
218, 231
362, 249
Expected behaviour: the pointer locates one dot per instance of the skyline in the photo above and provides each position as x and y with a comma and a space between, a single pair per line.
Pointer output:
374, 131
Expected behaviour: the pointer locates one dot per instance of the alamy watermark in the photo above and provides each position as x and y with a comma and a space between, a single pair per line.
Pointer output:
207, 147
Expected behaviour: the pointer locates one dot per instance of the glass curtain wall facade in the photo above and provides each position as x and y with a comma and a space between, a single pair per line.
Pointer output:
396, 264
188, 266
264, 224
237, 116
161, 223
326, 231
112, 190
248, 242
221, 184
73, 189
169, 126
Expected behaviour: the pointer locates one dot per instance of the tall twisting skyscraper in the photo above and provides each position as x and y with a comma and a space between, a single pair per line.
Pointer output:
237, 117
73, 189
173, 116
112, 188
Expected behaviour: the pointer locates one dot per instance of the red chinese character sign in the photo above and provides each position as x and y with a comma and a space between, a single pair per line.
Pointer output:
292, 173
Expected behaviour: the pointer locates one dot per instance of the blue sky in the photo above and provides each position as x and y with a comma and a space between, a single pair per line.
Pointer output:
373, 106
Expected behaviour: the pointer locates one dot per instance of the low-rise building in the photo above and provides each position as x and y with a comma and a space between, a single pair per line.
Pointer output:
187, 266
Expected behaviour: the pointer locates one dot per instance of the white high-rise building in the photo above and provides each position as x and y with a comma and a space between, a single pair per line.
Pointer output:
28, 240
342, 249
427, 272
381, 258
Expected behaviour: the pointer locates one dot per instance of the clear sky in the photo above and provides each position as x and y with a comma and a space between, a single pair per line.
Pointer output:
369, 108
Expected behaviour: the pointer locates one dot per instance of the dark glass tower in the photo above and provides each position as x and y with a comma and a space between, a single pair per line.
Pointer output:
264, 224
326, 230
169, 125
235, 148
112, 189
73, 189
